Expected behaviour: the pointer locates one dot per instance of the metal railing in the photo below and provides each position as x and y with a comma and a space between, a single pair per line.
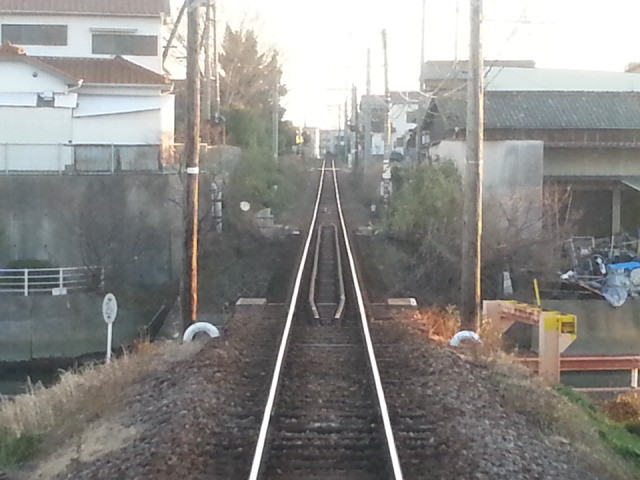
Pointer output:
52, 281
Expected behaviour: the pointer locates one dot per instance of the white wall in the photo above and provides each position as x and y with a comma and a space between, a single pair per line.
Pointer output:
592, 162
32, 158
18, 76
377, 143
507, 164
121, 129
400, 124
35, 125
124, 119
79, 35
168, 119
512, 180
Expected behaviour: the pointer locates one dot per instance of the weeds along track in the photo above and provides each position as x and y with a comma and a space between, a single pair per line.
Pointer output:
326, 414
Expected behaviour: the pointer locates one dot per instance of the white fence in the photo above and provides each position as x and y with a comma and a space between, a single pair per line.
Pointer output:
52, 281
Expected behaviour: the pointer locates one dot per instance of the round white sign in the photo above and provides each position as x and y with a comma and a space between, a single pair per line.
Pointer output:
109, 308
245, 206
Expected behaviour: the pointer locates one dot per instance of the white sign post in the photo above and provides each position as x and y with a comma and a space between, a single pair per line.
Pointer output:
109, 312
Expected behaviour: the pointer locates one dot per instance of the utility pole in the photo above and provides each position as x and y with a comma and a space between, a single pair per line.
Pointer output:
424, 6
347, 133
275, 119
386, 166
368, 71
206, 95
470, 304
366, 115
355, 122
216, 67
189, 293
420, 111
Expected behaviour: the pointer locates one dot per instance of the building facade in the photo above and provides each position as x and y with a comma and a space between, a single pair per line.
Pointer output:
81, 87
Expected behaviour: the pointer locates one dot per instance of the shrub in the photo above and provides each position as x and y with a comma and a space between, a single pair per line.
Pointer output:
16, 449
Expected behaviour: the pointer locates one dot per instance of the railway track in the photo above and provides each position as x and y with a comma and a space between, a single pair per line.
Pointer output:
326, 415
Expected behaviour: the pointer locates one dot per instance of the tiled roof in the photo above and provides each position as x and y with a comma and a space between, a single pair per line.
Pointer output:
115, 70
548, 110
85, 7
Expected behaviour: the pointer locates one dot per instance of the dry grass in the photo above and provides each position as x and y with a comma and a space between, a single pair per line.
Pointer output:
625, 408
563, 416
439, 324
83, 395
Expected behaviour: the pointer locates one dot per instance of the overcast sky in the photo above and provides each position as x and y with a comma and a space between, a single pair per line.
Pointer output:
323, 44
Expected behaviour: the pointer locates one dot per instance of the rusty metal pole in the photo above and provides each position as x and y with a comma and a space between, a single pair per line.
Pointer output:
189, 293
470, 302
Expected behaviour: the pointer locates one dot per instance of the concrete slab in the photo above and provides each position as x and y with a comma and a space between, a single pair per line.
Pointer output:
402, 302
252, 302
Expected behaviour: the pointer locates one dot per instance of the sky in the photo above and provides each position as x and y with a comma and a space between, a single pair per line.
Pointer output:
323, 44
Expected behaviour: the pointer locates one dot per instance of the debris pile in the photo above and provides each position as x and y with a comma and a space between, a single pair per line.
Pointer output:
606, 267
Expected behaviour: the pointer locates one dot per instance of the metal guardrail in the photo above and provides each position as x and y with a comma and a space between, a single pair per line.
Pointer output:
52, 281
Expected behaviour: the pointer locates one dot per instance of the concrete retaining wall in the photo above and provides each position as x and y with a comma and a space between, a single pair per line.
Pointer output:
602, 329
47, 327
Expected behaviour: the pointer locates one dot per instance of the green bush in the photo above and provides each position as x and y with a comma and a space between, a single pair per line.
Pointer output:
614, 435
262, 182
15, 450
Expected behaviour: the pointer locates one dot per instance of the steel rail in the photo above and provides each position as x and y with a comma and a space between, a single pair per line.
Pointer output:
314, 275
264, 427
343, 296
391, 444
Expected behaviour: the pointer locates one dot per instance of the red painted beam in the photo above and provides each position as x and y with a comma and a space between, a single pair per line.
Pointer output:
580, 363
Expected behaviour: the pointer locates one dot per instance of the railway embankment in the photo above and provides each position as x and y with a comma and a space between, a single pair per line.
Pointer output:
190, 411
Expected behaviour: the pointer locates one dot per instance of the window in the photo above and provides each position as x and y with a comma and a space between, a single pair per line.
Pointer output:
34, 34
118, 44
46, 99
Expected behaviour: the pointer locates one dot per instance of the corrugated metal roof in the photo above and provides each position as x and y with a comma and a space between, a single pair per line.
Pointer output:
548, 110
85, 7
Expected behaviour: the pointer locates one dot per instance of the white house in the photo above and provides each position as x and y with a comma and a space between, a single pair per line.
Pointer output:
403, 112
81, 86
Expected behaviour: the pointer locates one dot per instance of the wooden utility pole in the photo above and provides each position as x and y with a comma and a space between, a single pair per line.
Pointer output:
206, 94
424, 6
470, 302
189, 293
216, 69
386, 165
368, 90
355, 122
420, 112
275, 120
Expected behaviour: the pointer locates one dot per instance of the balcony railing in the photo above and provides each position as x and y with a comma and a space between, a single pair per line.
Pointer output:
51, 281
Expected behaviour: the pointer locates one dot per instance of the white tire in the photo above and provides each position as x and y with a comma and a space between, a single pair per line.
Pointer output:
200, 327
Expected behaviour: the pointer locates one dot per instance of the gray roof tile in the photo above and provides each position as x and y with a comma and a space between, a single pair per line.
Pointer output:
548, 110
